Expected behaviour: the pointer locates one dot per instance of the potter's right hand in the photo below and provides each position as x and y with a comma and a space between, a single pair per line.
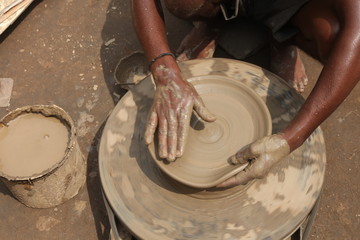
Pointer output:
171, 111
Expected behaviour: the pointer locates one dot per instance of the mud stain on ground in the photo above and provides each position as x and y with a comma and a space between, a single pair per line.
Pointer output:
46, 223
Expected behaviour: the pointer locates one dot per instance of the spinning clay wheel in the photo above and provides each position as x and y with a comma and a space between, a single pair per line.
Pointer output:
154, 206
242, 118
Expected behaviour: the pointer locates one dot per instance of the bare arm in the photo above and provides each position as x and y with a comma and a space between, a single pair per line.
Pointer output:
150, 28
339, 76
174, 97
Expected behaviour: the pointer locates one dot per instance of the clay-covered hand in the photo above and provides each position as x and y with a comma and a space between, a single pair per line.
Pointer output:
171, 112
261, 156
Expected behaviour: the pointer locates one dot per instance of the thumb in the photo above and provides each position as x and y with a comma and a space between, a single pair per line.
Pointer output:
202, 111
241, 178
242, 157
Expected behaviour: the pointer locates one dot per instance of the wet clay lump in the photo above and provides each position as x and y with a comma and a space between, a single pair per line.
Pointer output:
32, 143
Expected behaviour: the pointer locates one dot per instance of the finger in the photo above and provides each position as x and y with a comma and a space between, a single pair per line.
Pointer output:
202, 111
241, 178
183, 130
162, 133
172, 136
242, 157
151, 127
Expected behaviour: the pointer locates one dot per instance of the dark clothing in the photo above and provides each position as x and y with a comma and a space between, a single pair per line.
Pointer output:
272, 13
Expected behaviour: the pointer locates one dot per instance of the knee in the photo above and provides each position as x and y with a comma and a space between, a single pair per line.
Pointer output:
326, 30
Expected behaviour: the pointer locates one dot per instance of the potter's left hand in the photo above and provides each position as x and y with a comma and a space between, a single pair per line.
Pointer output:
261, 156
174, 100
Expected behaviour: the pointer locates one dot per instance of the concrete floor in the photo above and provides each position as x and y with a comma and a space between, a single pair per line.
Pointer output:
65, 52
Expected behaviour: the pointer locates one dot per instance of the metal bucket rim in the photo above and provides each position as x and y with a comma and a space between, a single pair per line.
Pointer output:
48, 111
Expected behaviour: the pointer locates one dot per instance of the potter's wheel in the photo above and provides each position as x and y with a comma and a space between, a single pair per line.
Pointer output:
242, 117
153, 206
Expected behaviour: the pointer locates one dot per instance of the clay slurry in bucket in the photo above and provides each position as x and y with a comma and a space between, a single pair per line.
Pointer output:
31, 144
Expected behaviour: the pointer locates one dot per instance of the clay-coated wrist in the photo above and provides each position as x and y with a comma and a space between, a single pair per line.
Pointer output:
165, 70
161, 56
283, 143
167, 61
294, 139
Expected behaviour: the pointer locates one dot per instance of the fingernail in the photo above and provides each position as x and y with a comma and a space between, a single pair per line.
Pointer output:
163, 154
178, 153
171, 158
211, 117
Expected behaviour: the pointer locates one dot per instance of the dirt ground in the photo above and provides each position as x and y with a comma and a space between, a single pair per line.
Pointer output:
65, 53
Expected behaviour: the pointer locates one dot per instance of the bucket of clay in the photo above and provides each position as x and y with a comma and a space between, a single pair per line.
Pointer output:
40, 159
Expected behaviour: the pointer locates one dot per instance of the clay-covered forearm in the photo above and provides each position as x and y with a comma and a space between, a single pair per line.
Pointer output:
150, 28
339, 76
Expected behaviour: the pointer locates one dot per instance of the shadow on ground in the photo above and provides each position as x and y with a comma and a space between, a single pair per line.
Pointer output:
4, 190
94, 189
119, 40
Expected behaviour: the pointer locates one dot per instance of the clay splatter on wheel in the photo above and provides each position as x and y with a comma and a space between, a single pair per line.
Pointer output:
154, 206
